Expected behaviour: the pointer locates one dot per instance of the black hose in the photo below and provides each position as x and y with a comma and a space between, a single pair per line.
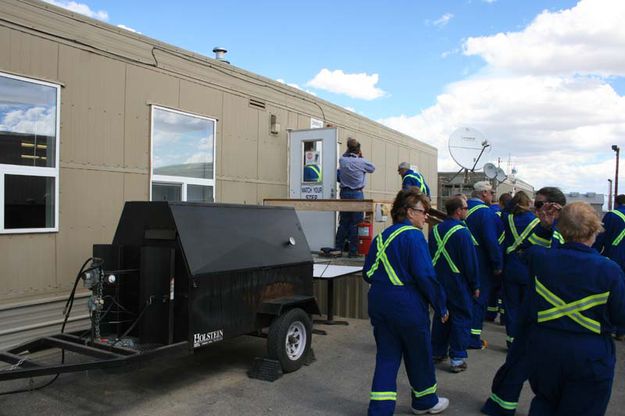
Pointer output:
66, 311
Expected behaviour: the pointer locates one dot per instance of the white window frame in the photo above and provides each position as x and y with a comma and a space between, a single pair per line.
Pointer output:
6, 169
181, 180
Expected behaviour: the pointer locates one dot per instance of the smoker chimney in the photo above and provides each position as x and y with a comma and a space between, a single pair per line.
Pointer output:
220, 54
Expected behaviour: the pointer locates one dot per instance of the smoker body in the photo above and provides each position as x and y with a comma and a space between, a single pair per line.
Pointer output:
184, 275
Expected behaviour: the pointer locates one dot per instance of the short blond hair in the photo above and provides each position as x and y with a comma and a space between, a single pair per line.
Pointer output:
579, 222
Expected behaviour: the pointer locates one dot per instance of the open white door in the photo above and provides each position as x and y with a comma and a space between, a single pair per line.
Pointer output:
312, 175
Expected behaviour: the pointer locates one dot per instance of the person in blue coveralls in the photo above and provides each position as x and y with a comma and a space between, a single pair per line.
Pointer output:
519, 224
486, 229
455, 261
508, 381
410, 178
495, 301
351, 175
577, 300
611, 243
403, 286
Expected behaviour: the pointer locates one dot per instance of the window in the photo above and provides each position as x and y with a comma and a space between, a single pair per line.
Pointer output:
183, 163
29, 155
311, 161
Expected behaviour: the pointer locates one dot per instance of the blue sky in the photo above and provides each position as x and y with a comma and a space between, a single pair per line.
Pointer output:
544, 80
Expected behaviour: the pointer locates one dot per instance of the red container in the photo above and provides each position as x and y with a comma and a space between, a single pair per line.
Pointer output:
365, 236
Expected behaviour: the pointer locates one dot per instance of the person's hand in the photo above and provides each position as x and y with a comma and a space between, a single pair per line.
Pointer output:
445, 317
476, 293
549, 213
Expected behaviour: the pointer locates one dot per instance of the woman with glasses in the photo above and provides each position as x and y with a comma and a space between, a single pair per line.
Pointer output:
403, 286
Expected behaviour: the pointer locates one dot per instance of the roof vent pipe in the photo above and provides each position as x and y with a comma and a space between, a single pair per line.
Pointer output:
220, 54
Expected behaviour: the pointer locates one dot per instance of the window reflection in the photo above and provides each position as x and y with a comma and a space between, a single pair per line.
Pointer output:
182, 145
27, 123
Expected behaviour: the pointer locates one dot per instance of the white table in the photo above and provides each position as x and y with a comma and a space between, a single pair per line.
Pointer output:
329, 272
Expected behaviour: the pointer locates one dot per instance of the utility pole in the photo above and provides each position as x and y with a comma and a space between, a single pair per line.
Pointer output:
617, 150
610, 195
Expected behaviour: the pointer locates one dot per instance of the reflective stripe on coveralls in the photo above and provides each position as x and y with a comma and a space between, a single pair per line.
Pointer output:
381, 255
518, 239
475, 208
469, 212
539, 241
316, 170
501, 238
558, 236
418, 178
620, 237
504, 404
572, 309
429, 390
383, 395
441, 247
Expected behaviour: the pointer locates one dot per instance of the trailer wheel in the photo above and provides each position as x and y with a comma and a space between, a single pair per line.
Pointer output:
289, 339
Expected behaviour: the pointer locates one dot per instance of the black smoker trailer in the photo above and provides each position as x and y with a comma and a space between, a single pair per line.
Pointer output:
180, 276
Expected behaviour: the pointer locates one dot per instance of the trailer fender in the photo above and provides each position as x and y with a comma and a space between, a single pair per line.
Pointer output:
279, 306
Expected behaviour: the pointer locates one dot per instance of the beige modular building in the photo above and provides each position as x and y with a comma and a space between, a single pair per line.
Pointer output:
92, 115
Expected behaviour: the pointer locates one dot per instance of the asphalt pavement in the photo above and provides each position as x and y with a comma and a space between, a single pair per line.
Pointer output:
214, 382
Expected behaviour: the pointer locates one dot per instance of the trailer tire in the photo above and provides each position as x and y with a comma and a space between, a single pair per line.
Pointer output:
289, 339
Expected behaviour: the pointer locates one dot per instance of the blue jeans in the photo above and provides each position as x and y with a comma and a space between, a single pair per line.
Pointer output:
348, 222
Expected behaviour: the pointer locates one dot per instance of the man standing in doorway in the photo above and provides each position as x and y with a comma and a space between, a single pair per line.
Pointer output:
351, 175
410, 178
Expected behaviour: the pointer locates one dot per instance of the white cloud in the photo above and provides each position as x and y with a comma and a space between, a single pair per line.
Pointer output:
34, 120
128, 29
489, 1
360, 85
80, 8
543, 98
443, 20
587, 39
557, 130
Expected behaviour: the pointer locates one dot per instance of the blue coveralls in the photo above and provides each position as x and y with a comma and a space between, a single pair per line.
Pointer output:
485, 227
611, 243
455, 261
495, 303
508, 381
403, 285
577, 299
519, 236
412, 178
312, 173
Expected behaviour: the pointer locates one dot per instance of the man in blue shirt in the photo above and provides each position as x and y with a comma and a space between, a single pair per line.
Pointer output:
410, 178
351, 175
611, 243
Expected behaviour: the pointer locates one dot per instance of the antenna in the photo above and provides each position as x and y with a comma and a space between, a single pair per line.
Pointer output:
467, 146
490, 171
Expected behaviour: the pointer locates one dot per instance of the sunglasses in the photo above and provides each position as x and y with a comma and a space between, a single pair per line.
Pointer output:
539, 204
419, 210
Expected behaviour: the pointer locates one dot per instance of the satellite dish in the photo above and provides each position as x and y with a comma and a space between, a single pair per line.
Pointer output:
490, 171
501, 175
467, 146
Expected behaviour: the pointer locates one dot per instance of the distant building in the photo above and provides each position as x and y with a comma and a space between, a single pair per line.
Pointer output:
594, 199
452, 183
